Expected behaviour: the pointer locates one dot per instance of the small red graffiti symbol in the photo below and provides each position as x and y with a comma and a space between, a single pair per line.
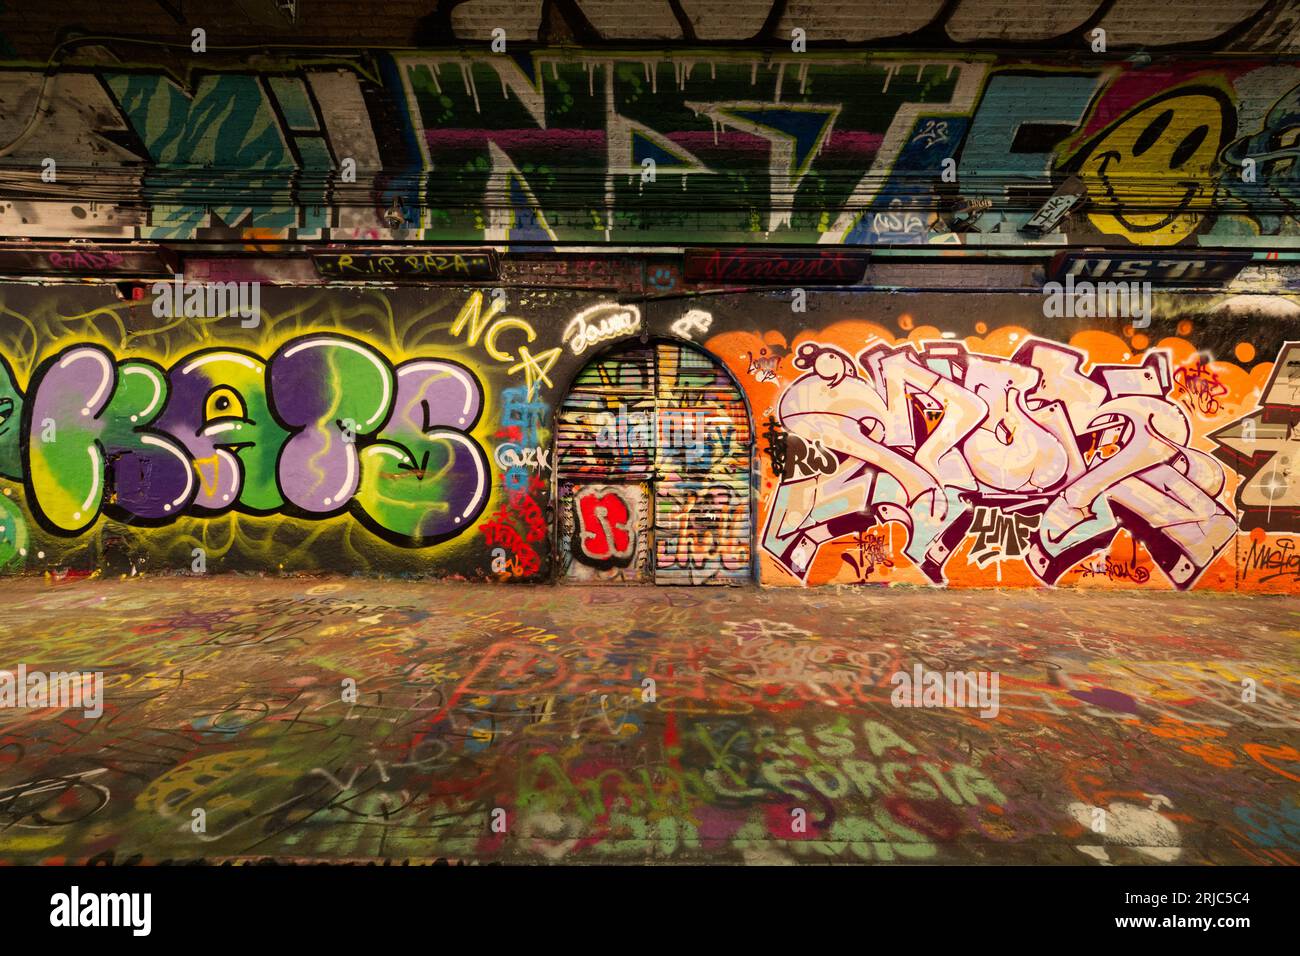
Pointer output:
605, 526
1199, 388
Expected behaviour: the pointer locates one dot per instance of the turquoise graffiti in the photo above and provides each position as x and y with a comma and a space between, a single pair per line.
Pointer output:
231, 151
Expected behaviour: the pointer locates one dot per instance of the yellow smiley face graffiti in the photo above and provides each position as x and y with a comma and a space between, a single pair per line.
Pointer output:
1150, 175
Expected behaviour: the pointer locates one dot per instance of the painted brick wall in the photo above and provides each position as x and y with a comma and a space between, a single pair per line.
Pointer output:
969, 439
31, 30
583, 145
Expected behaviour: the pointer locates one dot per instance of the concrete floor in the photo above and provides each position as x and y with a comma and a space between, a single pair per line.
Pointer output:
1122, 734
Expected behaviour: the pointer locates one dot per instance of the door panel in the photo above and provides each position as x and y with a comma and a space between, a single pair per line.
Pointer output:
605, 533
653, 450
605, 427
702, 461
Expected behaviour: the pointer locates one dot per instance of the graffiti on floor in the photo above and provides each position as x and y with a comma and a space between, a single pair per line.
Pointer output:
639, 725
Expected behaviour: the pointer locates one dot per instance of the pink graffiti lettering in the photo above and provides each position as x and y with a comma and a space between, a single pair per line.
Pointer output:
925, 435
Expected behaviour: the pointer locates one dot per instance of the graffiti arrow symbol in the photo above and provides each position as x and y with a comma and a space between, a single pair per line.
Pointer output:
419, 470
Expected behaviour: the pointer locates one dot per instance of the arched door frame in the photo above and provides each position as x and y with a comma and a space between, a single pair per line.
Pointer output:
651, 339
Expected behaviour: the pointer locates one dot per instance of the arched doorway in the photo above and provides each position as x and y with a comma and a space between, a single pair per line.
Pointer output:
653, 447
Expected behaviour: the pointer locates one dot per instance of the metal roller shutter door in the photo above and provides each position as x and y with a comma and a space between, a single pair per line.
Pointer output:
658, 428
702, 468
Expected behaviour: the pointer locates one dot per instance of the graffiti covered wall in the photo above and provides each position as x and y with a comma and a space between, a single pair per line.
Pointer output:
574, 146
928, 438
401, 432
967, 440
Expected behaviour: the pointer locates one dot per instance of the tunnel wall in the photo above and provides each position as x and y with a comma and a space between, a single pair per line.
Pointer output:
976, 439
959, 438
588, 146
399, 432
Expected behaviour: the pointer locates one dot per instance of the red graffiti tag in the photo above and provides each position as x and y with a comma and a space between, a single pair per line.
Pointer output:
1199, 388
